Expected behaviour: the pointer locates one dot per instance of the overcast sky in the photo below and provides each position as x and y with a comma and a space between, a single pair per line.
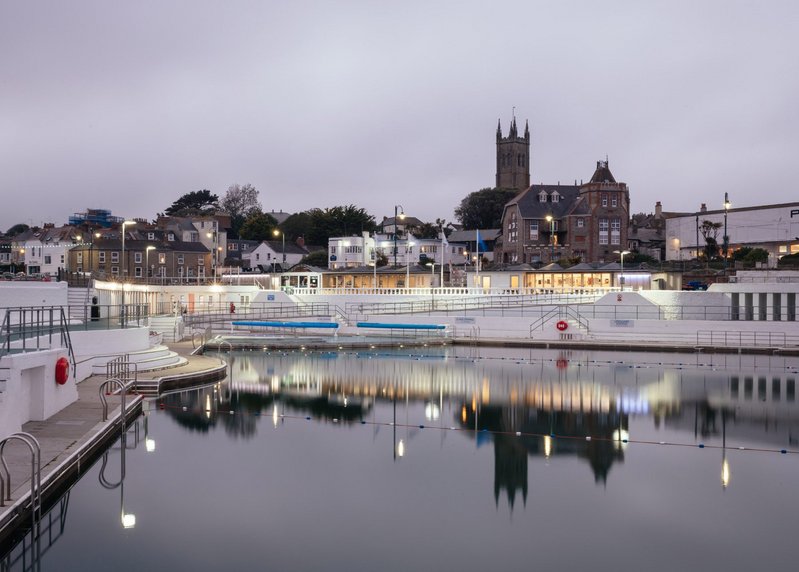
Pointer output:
128, 105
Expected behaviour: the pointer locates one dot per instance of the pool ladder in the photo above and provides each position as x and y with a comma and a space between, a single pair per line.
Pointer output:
36, 484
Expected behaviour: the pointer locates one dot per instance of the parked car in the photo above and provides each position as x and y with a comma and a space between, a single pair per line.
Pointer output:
695, 285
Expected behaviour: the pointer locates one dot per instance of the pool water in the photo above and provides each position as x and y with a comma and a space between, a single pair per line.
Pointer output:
449, 459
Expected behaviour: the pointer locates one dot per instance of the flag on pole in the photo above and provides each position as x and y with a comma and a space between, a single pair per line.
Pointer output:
480, 244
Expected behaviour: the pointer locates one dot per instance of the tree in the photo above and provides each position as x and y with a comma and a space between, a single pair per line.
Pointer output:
750, 255
296, 225
337, 221
195, 203
258, 226
483, 208
17, 229
710, 232
424, 230
240, 202
317, 258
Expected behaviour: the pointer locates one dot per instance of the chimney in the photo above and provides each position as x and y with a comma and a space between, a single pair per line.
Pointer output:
703, 208
658, 210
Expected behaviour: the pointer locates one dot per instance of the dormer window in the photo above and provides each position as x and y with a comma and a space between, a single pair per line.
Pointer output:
555, 197
150, 236
542, 197
170, 237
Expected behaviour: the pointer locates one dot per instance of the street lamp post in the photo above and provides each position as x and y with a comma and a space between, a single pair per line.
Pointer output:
621, 275
397, 209
147, 264
277, 232
551, 220
726, 237
124, 267
408, 246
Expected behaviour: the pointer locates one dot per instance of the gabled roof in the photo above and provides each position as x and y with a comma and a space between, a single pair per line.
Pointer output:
407, 221
486, 234
531, 207
277, 246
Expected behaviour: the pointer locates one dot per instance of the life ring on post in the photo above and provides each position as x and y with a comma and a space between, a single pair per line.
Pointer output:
562, 325
61, 370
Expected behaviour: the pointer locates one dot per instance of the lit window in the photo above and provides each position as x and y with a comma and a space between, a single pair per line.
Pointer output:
580, 223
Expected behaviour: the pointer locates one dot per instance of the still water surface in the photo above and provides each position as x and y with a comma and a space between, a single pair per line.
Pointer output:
450, 459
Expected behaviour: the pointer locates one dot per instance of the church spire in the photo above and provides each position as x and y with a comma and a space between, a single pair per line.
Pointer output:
526, 130
499, 130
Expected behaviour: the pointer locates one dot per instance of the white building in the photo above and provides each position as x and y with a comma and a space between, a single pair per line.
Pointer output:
774, 228
355, 251
269, 255
44, 250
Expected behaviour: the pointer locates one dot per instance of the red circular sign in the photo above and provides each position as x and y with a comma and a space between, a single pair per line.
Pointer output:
562, 325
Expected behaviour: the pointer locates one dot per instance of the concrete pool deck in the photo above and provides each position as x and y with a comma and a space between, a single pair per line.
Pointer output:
74, 437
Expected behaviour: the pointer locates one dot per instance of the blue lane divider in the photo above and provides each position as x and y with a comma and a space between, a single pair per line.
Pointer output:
384, 325
328, 325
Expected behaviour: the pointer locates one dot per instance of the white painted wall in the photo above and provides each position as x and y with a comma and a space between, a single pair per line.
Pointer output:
97, 347
30, 392
774, 228
23, 293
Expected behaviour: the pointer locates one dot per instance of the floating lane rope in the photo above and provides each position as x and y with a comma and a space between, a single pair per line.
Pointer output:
589, 438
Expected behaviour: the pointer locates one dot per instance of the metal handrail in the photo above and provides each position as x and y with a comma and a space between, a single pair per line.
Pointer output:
36, 484
120, 368
104, 401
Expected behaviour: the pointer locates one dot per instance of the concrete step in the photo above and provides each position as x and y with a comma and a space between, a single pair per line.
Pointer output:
158, 357
171, 327
79, 296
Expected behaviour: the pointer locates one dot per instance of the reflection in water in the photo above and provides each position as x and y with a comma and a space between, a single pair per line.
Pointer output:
16, 552
549, 405
576, 436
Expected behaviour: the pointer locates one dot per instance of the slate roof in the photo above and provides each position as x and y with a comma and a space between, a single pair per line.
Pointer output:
277, 246
531, 207
602, 173
486, 234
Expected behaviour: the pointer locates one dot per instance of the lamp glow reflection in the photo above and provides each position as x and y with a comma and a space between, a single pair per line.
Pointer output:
128, 520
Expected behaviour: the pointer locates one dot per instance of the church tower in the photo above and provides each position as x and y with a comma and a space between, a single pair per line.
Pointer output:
513, 158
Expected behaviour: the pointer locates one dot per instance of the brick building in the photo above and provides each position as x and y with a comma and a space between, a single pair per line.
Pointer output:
545, 223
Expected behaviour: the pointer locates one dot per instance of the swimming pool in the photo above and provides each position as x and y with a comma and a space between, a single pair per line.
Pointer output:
449, 458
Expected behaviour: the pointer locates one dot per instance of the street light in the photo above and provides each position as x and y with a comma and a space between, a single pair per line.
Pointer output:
276, 232
726, 238
124, 262
432, 266
551, 220
401, 210
147, 263
408, 246
621, 277
124, 267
